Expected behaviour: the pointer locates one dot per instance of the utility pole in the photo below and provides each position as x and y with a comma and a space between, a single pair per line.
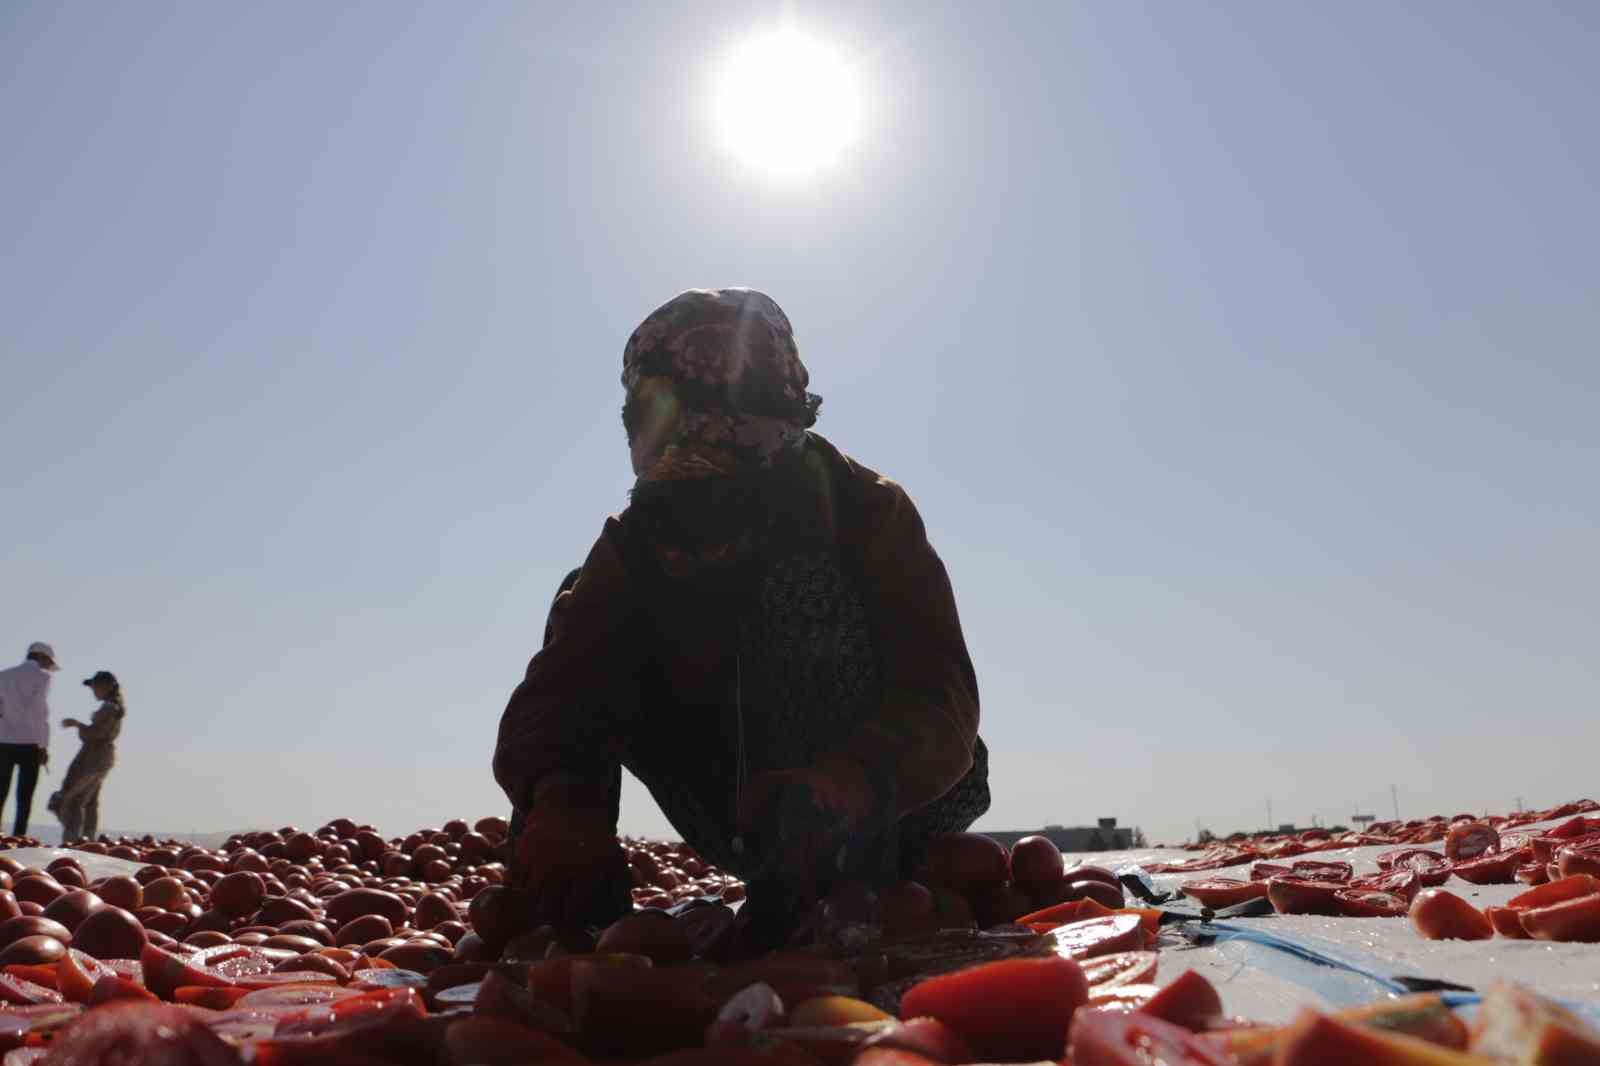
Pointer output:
1394, 794
1269, 814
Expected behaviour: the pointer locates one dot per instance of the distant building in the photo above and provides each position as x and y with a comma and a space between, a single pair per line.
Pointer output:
1105, 836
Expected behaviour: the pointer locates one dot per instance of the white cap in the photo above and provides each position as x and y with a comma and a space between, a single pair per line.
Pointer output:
39, 647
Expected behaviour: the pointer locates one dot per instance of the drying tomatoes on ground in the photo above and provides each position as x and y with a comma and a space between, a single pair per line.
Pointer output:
341, 946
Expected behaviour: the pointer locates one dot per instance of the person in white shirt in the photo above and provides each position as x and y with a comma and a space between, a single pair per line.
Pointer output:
25, 728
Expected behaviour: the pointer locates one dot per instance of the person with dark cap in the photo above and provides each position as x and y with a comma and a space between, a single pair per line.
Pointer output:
25, 727
78, 802
764, 637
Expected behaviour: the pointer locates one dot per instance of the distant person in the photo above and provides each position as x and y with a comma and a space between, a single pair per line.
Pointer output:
25, 727
78, 802
764, 637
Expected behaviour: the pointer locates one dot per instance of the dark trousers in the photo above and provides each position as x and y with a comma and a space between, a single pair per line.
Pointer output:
24, 758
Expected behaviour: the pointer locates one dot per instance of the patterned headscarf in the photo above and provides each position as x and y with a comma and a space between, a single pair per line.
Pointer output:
717, 385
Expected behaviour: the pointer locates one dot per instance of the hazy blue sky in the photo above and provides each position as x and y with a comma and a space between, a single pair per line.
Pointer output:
1242, 358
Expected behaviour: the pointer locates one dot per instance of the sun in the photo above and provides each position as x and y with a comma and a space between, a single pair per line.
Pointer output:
787, 105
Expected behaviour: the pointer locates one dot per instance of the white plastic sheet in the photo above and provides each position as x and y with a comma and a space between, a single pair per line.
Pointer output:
94, 866
1258, 983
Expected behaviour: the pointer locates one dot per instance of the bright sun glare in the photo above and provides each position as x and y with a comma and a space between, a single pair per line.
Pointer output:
787, 104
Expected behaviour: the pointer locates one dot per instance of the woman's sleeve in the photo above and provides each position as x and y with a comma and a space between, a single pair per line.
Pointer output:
104, 726
575, 704
920, 742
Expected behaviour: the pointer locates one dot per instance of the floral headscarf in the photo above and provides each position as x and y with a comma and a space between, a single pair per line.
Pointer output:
721, 385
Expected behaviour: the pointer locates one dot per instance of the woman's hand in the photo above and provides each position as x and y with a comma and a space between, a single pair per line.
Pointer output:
70, 723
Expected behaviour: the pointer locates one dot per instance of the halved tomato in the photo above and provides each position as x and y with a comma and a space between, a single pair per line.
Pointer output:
1441, 915
1220, 892
1123, 968
112, 988
1190, 1001
294, 997
1507, 921
1575, 887
1363, 903
323, 1032
1115, 1038
76, 974
285, 980
1015, 1010
1323, 871
1402, 883
1576, 920
1497, 868
42, 974
1294, 895
26, 993
208, 996
1099, 936
165, 973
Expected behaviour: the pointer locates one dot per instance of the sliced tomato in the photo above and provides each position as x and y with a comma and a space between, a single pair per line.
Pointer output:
26, 993
372, 980
1403, 883
351, 1015
1507, 921
1114, 1038
1129, 997
1266, 871
1497, 868
1190, 1001
1431, 868
1533, 873
1015, 1010
1364, 903
1575, 920
365, 1024
1099, 936
293, 997
1294, 895
43, 974
285, 980
1575, 887
165, 973
76, 974
212, 998
239, 965
112, 988
1323, 871
1220, 892
1123, 968
1441, 915
1470, 840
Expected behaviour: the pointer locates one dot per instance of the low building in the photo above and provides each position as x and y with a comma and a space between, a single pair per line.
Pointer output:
1104, 836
